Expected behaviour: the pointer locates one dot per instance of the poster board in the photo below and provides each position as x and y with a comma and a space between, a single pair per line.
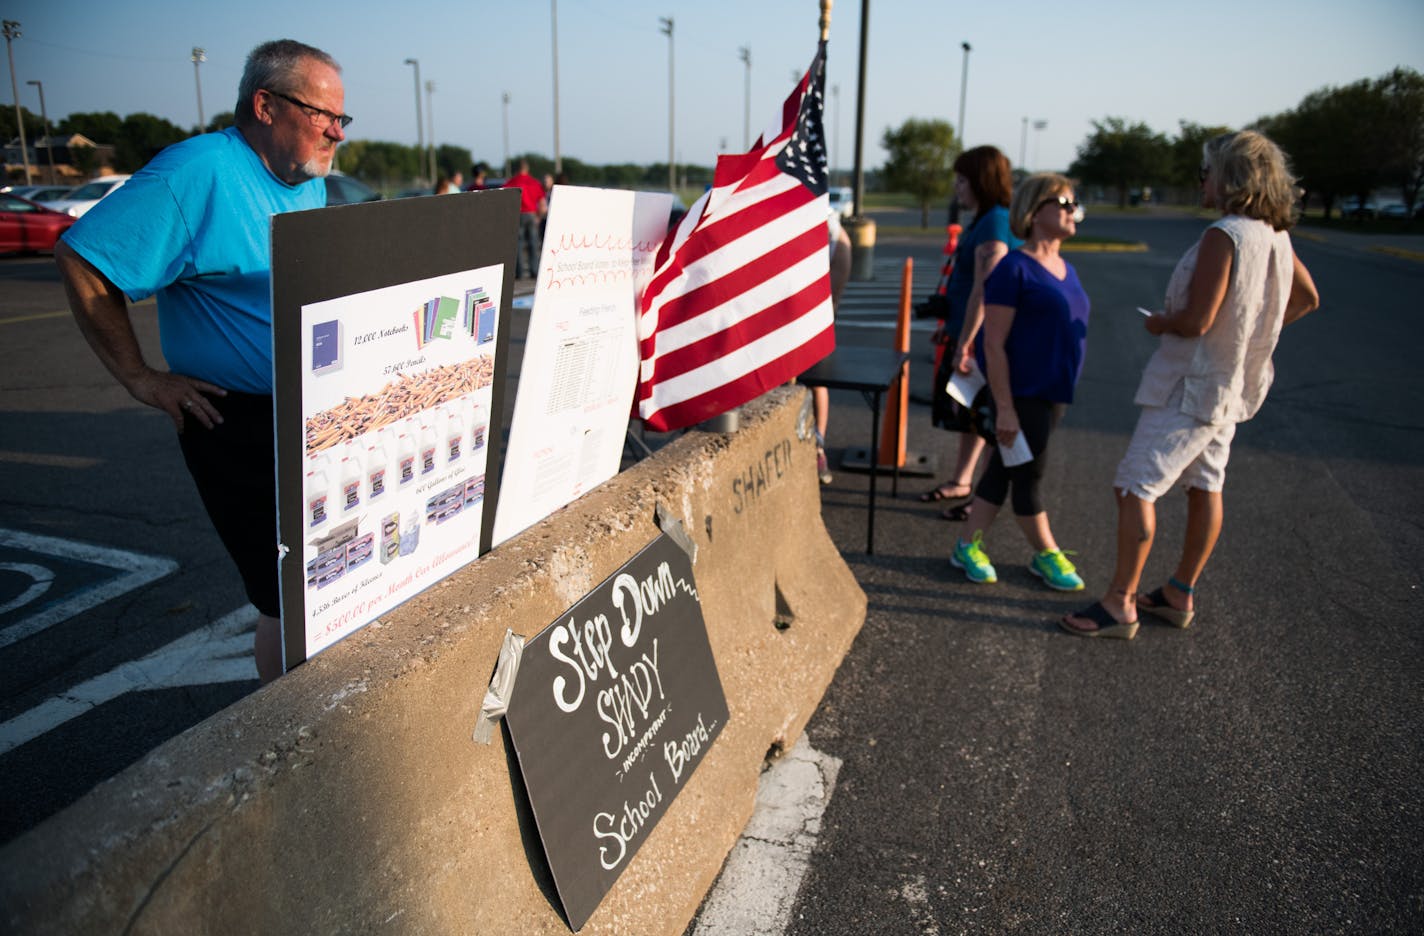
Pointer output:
389, 349
615, 705
580, 363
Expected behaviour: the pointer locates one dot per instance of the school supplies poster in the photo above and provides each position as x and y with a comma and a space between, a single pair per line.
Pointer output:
396, 407
389, 349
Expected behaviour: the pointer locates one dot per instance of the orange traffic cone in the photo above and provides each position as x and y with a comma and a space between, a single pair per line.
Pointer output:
951, 245
897, 401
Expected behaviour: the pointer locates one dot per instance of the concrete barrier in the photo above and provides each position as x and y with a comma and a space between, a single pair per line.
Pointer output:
348, 796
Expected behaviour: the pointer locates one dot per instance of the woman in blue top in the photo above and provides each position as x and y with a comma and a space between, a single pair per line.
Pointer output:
1035, 336
983, 185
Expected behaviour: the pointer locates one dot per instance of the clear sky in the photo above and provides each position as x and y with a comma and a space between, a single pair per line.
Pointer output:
1209, 61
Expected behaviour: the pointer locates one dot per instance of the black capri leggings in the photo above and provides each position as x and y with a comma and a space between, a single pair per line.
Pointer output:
1037, 420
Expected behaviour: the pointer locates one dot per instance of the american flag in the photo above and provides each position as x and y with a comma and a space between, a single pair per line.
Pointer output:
740, 297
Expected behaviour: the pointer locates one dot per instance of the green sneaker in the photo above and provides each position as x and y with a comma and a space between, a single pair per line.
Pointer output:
1056, 571
970, 557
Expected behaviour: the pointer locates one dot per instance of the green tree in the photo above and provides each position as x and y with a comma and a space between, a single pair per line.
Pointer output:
1121, 155
1184, 168
101, 127
922, 154
34, 126
220, 122
1403, 131
141, 136
452, 159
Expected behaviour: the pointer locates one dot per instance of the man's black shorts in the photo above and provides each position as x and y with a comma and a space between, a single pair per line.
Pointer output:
234, 466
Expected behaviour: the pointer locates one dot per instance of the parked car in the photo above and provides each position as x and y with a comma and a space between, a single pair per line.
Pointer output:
39, 193
348, 190
843, 200
1354, 208
1394, 210
26, 226
87, 195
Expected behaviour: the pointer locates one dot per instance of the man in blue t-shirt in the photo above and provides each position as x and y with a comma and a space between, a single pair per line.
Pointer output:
192, 227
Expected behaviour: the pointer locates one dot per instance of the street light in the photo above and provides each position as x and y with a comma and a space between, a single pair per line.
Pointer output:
419, 121
554, 23
744, 54
199, 56
836, 132
963, 90
506, 135
430, 116
666, 26
12, 32
44, 117
1038, 126
1023, 146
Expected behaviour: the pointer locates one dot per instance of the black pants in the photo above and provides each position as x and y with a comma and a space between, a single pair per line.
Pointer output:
1037, 420
234, 466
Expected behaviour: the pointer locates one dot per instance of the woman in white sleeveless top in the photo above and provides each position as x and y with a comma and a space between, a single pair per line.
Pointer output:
1226, 303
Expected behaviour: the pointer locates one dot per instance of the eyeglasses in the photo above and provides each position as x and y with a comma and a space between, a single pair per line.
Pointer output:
1062, 201
316, 113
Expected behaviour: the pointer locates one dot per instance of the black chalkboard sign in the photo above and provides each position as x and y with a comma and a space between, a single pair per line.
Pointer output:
615, 705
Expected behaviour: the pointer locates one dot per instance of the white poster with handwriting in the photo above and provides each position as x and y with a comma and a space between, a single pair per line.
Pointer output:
580, 361
616, 705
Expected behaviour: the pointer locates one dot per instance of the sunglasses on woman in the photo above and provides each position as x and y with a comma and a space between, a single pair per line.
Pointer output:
1062, 201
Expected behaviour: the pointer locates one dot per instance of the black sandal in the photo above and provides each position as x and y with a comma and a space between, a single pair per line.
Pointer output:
1105, 625
1156, 604
937, 494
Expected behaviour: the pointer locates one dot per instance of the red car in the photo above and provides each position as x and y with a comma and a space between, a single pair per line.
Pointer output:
27, 227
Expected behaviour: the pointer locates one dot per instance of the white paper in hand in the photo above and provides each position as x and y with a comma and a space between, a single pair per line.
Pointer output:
963, 388
1016, 454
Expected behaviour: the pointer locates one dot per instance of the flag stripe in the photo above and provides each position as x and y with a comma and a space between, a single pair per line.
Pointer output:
761, 284
724, 269
753, 342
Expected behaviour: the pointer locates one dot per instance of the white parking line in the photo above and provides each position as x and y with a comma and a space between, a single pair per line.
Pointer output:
138, 570
762, 876
220, 652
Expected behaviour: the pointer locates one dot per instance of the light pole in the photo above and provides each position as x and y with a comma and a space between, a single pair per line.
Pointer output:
666, 26
419, 120
1023, 146
506, 135
963, 87
12, 32
836, 132
744, 54
199, 56
554, 23
1038, 126
959, 130
430, 116
44, 117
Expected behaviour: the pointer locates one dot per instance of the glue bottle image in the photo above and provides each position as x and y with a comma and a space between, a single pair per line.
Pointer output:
405, 448
454, 436
479, 426
350, 480
409, 532
427, 444
318, 491
377, 463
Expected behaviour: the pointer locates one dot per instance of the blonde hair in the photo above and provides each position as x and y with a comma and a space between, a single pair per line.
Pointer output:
1030, 195
1251, 176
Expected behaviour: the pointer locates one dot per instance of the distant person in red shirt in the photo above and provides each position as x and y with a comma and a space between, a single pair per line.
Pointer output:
533, 202
477, 178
